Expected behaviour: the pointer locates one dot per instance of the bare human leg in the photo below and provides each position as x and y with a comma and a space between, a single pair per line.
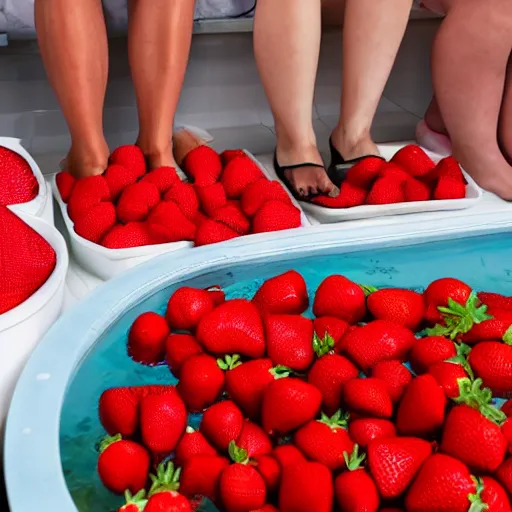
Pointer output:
160, 33
505, 126
73, 42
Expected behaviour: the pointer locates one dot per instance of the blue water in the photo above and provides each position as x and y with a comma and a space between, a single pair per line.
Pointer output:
485, 263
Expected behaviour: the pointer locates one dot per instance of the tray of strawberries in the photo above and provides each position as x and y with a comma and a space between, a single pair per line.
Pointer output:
372, 399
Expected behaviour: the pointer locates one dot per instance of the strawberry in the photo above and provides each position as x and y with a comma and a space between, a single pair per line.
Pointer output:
443, 484
416, 190
163, 419
162, 177
276, 216
163, 494
447, 375
200, 476
201, 383
422, 408
167, 224
306, 487
492, 362
288, 455
329, 374
253, 440
289, 340
495, 301
339, 297
123, 465
130, 157
472, 431
377, 341
212, 232
325, 440
187, 306
118, 178
17, 181
222, 423
184, 195
65, 183
355, 489
147, 337
211, 198
396, 376
133, 234
430, 350
233, 327
497, 327
288, 404
404, 307
192, 444
178, 348
217, 293
119, 411
349, 197
334, 327
394, 462
494, 496
449, 168
448, 188
368, 397
270, 470
506, 429
136, 201
232, 217
507, 408
504, 475
96, 223
364, 430
259, 192
86, 193
134, 503
285, 294
414, 160
203, 165
238, 174
365, 172
386, 191
230, 154
393, 171
266, 508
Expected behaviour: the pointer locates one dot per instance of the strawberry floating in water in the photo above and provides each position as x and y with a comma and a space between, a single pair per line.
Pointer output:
187, 306
497, 327
270, 470
178, 348
332, 326
254, 440
495, 301
222, 423
192, 444
395, 375
430, 350
164, 495
494, 495
368, 397
147, 337
200, 475
364, 430
288, 455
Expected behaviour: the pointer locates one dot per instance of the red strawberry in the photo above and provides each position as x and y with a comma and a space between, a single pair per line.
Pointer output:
334, 327
430, 350
507, 408
364, 173
133, 234
325, 440
65, 183
163, 419
448, 188
192, 444
438, 294
147, 337
329, 374
349, 197
404, 307
136, 201
253, 440
283, 294
212, 232
395, 461
162, 177
306, 487
238, 174
86, 193
447, 375
339, 297
201, 383
123, 465
119, 411
217, 293
222, 423
449, 168
270, 470
414, 160
288, 455
230, 154
134, 503
288, 404
118, 178
421, 410
443, 484
259, 192
495, 301
187, 306
200, 476
393, 171
386, 191
233, 327
167, 224
504, 475
203, 165
163, 494
130, 157
368, 397
364, 430
289, 340
377, 341
355, 489
276, 216
96, 223
506, 429
211, 198
266, 508
178, 348
232, 217
494, 496
184, 195
18, 183
396, 376
498, 327
416, 190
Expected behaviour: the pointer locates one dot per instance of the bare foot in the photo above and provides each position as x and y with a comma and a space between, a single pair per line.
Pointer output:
433, 118
350, 148
183, 143
84, 163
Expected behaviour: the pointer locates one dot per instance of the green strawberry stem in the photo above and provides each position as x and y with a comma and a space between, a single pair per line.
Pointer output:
354, 460
139, 500
463, 351
229, 362
237, 454
324, 345
167, 478
281, 372
109, 440
368, 289
507, 337
338, 420
477, 505
472, 395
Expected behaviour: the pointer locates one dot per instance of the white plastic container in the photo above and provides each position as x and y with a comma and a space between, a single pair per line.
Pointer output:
23, 327
41, 206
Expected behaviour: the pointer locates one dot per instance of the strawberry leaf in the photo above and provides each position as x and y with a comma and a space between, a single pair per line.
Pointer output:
354, 460
368, 290
323, 346
507, 337
229, 362
109, 440
167, 478
461, 358
281, 372
477, 505
139, 500
338, 420
237, 454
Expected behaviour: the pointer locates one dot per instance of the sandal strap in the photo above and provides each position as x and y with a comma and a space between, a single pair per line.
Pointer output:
283, 168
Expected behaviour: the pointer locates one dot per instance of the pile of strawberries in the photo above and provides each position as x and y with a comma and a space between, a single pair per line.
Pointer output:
17, 181
410, 176
382, 400
129, 206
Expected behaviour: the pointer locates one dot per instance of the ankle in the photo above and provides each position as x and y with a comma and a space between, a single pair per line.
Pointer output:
157, 155
353, 143
89, 159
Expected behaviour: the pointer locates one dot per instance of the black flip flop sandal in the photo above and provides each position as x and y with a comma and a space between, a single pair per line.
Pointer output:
339, 166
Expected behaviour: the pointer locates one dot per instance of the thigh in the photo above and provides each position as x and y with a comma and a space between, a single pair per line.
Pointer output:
333, 12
